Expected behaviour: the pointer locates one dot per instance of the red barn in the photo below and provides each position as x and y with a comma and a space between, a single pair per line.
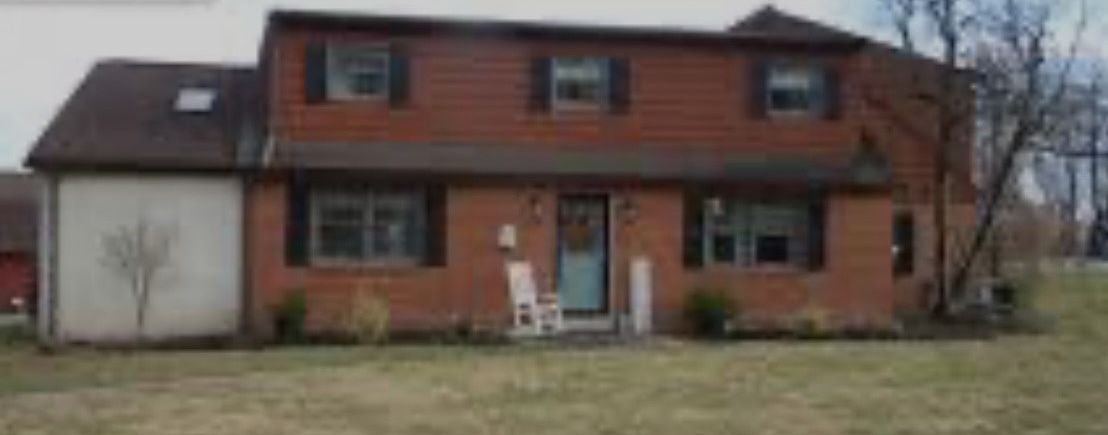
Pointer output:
18, 236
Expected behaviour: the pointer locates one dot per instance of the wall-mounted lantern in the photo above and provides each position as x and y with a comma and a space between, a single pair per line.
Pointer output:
534, 205
627, 209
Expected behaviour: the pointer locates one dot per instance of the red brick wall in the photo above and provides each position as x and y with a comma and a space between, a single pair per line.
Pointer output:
472, 286
911, 294
475, 90
17, 279
854, 288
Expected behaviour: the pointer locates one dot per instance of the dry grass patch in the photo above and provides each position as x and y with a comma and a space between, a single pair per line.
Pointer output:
1043, 384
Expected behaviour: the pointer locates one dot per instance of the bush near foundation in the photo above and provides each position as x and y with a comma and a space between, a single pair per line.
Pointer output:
709, 312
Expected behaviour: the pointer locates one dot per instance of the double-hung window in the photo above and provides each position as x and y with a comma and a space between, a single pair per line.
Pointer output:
795, 90
580, 81
385, 226
747, 233
357, 71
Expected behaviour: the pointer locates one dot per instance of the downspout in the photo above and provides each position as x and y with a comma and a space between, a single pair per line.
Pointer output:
257, 162
48, 263
246, 317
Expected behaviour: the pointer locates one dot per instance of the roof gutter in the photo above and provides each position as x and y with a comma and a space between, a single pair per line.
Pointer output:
415, 25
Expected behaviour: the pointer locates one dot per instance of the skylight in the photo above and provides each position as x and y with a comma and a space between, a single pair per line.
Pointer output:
195, 100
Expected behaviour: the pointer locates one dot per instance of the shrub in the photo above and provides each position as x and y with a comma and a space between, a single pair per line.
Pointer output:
708, 312
1015, 306
368, 319
16, 334
813, 322
290, 317
461, 330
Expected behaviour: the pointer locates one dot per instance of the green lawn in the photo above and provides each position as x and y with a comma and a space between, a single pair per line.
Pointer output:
1045, 384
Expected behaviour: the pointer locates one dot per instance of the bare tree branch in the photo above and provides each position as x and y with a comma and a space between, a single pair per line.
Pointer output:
137, 254
1023, 33
1021, 74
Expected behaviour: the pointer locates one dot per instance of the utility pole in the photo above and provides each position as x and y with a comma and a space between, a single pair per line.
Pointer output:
1097, 231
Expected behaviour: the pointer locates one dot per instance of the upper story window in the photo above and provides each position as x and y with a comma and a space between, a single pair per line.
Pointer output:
357, 71
580, 81
795, 90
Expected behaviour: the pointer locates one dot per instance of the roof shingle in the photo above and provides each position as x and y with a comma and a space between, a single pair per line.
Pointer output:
123, 116
767, 26
643, 163
772, 24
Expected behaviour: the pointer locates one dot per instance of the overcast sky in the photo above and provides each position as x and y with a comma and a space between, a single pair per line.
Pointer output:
48, 45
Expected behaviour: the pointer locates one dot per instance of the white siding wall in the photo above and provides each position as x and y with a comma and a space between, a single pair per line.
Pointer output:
199, 294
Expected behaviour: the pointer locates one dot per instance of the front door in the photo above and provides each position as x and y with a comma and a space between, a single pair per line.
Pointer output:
583, 254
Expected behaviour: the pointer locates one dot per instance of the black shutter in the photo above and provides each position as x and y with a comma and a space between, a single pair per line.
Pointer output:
904, 238
297, 221
693, 233
832, 94
435, 254
759, 74
399, 77
540, 84
817, 233
315, 72
619, 85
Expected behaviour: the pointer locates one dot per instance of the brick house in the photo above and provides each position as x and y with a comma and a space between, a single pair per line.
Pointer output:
781, 161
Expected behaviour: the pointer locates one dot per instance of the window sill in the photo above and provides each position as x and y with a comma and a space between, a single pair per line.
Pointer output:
774, 270
369, 99
379, 266
794, 116
575, 107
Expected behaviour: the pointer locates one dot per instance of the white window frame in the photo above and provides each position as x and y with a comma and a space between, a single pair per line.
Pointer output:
334, 69
816, 89
604, 95
367, 199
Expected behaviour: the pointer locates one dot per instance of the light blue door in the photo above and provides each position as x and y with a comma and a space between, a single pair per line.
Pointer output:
583, 254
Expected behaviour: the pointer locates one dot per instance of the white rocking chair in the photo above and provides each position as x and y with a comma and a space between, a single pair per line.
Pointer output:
534, 314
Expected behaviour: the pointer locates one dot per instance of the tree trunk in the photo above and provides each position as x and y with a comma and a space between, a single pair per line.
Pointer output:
142, 308
942, 157
140, 318
1072, 248
1094, 245
996, 192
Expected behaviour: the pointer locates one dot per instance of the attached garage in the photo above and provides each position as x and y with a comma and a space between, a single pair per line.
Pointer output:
142, 213
195, 293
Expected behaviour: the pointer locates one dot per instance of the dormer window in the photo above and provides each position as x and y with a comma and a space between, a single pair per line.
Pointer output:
194, 100
579, 81
357, 71
795, 90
